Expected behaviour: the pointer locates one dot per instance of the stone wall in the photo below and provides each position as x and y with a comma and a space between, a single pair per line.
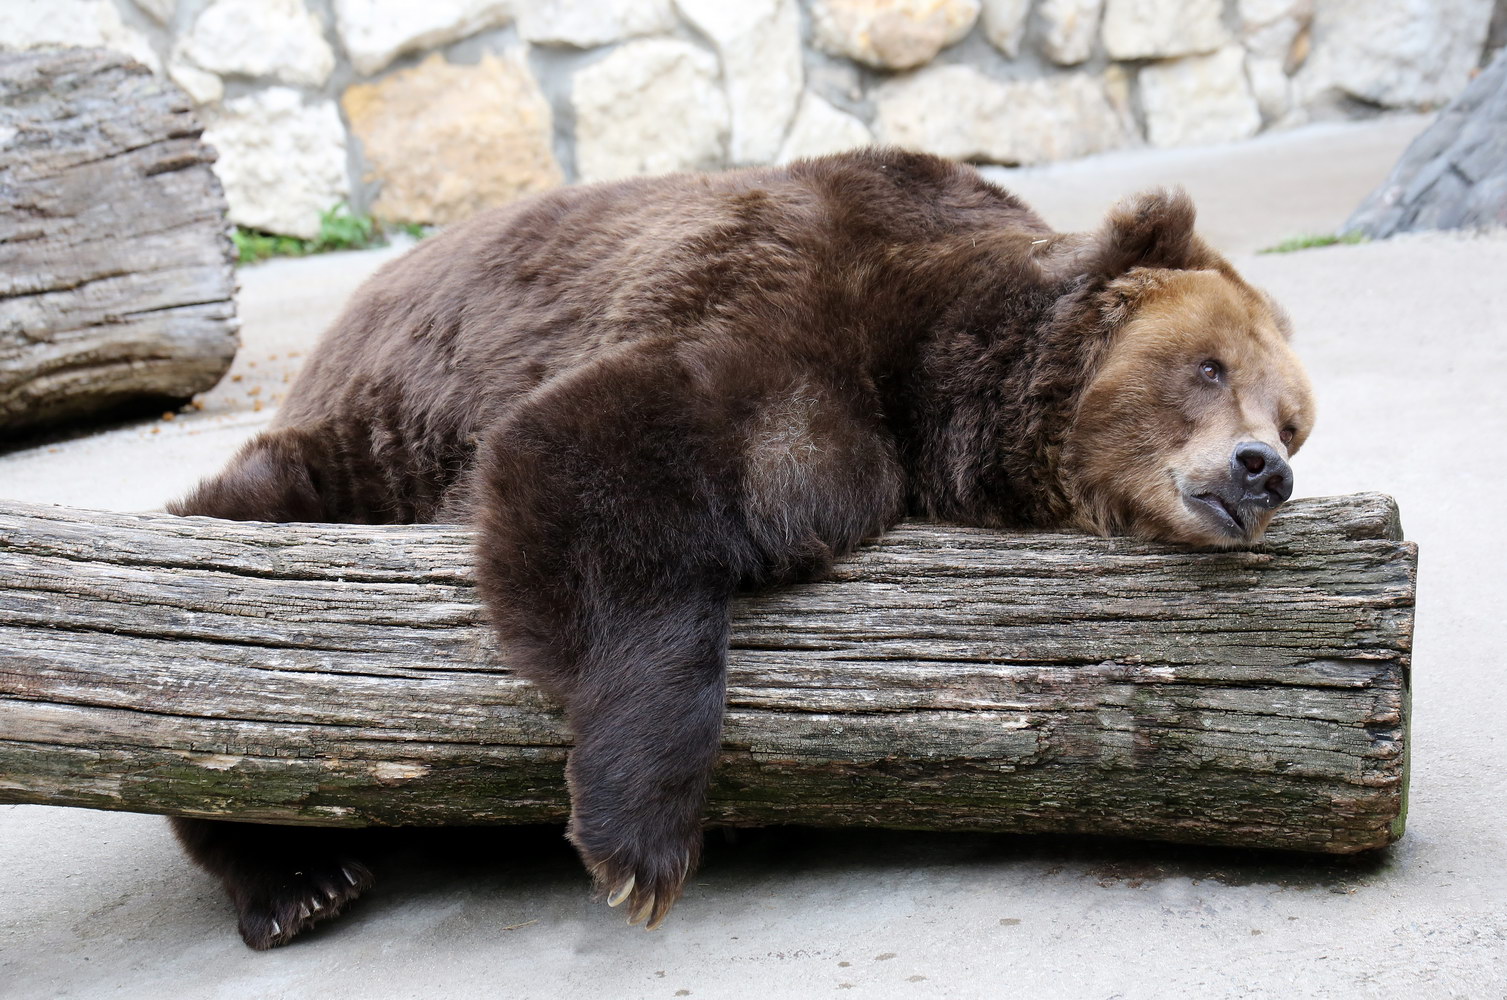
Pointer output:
426, 110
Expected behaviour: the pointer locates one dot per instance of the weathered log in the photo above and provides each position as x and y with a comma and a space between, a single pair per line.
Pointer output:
116, 277
943, 678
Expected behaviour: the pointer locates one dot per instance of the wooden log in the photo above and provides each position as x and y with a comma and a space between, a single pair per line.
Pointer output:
943, 678
116, 270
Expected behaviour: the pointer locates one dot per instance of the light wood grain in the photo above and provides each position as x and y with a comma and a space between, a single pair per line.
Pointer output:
943, 678
116, 277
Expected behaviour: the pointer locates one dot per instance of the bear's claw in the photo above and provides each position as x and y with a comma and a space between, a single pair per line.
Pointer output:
621, 892
641, 911
650, 897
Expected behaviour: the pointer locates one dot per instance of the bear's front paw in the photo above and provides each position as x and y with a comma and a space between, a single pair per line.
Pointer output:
648, 875
276, 903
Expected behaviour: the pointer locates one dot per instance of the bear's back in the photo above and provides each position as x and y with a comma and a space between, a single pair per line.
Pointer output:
447, 339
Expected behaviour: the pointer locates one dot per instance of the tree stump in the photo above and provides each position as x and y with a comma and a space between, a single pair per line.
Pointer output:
116, 270
1454, 175
943, 678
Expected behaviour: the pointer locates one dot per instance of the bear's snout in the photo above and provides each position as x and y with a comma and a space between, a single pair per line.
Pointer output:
1239, 505
1261, 477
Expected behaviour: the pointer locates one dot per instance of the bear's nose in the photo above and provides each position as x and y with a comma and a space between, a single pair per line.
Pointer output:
1263, 476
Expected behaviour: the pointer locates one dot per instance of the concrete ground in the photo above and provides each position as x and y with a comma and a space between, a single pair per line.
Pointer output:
1407, 344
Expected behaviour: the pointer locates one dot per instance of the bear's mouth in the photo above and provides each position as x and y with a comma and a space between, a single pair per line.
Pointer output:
1224, 513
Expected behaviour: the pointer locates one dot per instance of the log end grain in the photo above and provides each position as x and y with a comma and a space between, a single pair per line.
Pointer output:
117, 274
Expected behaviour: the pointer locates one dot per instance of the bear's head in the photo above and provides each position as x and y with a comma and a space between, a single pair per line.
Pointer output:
1196, 401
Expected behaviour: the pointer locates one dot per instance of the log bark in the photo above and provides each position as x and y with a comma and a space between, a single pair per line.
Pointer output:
942, 678
116, 271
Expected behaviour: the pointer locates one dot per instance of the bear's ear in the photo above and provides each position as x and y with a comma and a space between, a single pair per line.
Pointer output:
1152, 229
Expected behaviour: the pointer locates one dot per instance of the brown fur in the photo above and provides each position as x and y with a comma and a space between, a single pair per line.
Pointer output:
650, 394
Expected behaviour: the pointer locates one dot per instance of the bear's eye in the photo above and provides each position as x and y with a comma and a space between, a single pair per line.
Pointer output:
1212, 370
1288, 433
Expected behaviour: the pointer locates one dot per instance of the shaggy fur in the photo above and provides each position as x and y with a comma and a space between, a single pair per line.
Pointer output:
648, 395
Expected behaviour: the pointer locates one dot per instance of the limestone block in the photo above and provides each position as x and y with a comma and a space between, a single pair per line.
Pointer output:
282, 161
1255, 13
891, 34
588, 23
1397, 53
200, 84
1005, 24
1158, 29
820, 129
1270, 28
447, 141
31, 24
1069, 28
160, 11
271, 39
759, 42
1199, 100
651, 106
959, 112
375, 32
1269, 86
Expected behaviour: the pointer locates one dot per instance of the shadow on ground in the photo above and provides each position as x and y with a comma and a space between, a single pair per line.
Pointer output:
414, 863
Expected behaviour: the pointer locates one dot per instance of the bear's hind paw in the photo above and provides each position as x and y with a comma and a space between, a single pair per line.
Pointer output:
277, 906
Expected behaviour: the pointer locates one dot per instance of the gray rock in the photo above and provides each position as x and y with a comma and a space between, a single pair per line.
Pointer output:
1454, 175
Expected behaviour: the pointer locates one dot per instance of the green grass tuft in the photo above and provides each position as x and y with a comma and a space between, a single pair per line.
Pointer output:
339, 229
1309, 242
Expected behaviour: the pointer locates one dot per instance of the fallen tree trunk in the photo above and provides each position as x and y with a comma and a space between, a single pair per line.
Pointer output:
116, 280
944, 678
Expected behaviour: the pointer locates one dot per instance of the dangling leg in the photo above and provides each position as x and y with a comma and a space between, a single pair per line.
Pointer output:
282, 879
616, 522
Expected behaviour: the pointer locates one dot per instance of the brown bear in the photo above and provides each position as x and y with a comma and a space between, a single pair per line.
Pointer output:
651, 394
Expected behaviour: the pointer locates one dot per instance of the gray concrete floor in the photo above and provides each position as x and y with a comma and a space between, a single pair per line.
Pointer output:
1407, 344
